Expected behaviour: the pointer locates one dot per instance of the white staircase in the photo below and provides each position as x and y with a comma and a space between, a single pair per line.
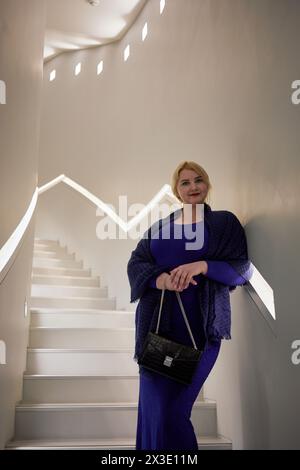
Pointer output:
80, 389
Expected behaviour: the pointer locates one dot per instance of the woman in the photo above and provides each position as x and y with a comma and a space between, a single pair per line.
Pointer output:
203, 276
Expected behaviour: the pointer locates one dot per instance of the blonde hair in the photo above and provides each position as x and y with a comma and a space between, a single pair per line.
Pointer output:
189, 166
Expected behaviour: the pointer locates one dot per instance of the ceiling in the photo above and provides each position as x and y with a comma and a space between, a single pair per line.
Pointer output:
75, 24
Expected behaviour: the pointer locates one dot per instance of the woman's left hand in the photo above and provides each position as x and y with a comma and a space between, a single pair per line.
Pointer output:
182, 276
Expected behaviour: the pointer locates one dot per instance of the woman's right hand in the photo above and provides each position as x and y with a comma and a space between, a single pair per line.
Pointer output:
164, 281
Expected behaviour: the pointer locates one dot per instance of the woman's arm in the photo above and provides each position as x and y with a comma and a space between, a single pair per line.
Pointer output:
164, 281
221, 271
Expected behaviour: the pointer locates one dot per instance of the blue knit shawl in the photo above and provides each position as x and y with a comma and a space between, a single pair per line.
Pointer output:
227, 242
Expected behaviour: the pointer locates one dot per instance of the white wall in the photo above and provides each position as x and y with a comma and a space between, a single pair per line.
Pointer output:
212, 84
258, 399
21, 67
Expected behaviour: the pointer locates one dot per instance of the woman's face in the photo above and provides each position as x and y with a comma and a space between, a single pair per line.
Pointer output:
191, 187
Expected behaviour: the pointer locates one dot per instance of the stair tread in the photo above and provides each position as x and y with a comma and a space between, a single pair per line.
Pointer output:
68, 298
77, 310
58, 258
38, 239
68, 377
104, 443
59, 350
67, 328
68, 287
71, 406
59, 267
57, 327
58, 276
59, 255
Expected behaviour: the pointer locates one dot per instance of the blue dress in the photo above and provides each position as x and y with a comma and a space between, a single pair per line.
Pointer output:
165, 406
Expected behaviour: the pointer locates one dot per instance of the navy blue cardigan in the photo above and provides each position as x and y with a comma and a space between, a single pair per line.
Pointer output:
227, 242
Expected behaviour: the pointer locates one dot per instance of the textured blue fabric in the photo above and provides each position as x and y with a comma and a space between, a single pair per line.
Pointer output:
223, 272
227, 242
219, 271
172, 252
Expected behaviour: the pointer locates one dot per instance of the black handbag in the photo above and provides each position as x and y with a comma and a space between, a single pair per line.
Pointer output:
166, 357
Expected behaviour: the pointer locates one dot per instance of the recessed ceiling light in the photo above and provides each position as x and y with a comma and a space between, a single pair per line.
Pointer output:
144, 32
126, 53
78, 68
52, 75
100, 67
162, 5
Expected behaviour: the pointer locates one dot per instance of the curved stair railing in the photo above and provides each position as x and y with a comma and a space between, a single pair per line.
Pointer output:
258, 288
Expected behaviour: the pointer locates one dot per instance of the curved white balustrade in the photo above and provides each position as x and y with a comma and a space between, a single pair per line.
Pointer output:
257, 282
126, 226
12, 243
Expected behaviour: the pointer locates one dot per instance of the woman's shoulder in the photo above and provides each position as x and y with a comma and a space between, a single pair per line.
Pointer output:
227, 219
223, 218
224, 213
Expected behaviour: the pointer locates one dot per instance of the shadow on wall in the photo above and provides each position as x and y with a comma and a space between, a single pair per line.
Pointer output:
256, 379
265, 366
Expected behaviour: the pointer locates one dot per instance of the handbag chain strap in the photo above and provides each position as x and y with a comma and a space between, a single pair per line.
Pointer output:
183, 313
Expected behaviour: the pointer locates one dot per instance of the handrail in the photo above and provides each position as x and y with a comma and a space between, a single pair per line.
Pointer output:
126, 226
9, 248
264, 297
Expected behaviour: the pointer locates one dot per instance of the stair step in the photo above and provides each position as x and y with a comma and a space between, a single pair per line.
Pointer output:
56, 263
73, 302
96, 420
44, 290
83, 361
63, 338
66, 280
79, 389
39, 241
81, 318
61, 272
204, 443
53, 254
